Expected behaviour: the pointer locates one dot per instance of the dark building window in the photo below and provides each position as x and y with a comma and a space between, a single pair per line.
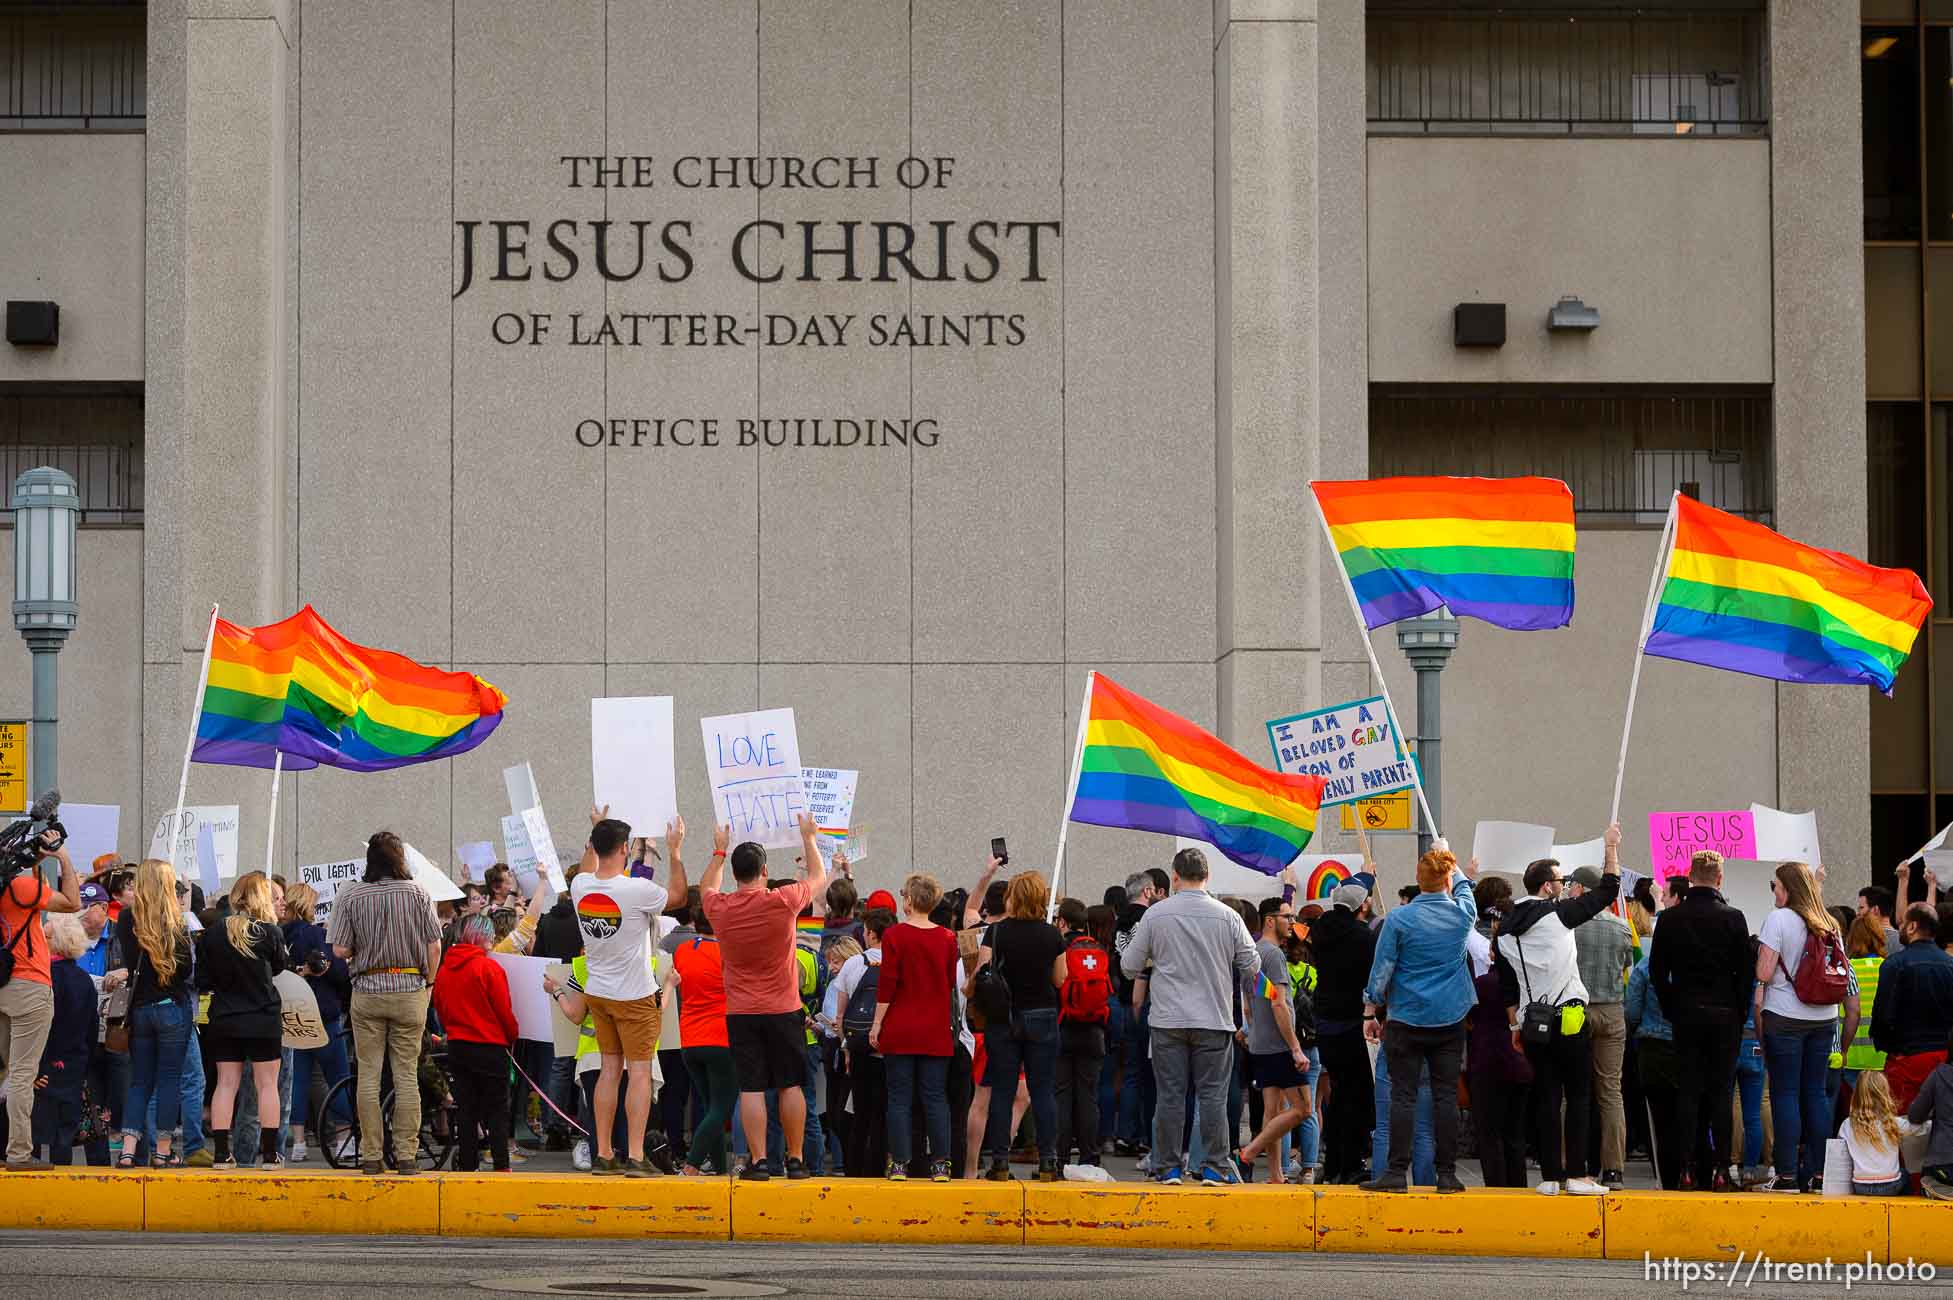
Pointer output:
1623, 452
1656, 69
73, 67
1890, 76
97, 438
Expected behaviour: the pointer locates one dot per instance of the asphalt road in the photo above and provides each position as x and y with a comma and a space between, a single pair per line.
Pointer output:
116, 1266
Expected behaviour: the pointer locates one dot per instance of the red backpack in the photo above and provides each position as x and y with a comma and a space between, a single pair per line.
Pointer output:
1086, 997
1823, 973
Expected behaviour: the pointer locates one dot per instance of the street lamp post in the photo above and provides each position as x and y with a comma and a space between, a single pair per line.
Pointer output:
45, 503
1428, 642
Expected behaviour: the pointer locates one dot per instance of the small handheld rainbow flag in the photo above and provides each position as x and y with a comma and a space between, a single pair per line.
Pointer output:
1145, 769
1496, 549
1267, 988
298, 688
1741, 597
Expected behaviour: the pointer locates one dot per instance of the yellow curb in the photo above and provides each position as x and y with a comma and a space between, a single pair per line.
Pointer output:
862, 1209
584, 1205
239, 1201
90, 1200
1479, 1222
1702, 1225
1921, 1231
1134, 1215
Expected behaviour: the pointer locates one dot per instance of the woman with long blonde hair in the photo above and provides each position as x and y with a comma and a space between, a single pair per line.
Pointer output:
1797, 1035
156, 944
236, 964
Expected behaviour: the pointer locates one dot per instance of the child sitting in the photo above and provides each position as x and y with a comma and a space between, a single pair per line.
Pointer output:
1871, 1133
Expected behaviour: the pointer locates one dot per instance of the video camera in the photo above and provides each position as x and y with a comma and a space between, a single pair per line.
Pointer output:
26, 842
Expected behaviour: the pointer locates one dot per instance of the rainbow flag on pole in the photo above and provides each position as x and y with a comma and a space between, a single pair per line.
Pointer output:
1741, 597
299, 688
1496, 549
1144, 769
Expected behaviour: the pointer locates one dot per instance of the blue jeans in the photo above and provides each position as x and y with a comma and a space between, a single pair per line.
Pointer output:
192, 1112
1308, 1135
905, 1074
1030, 1043
1800, 1106
1116, 1030
245, 1125
1749, 1083
158, 1036
1424, 1144
331, 1060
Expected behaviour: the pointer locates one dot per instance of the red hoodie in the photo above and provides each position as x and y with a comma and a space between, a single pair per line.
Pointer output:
471, 996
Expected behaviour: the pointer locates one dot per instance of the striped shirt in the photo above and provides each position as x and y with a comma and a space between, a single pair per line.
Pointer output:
387, 926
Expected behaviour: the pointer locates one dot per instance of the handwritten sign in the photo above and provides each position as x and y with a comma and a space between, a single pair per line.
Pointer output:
543, 845
752, 762
1352, 747
631, 765
519, 853
830, 800
325, 879
1675, 837
180, 849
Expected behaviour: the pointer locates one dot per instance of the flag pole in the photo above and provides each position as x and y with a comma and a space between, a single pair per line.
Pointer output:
1383, 687
190, 745
271, 831
1634, 680
1071, 795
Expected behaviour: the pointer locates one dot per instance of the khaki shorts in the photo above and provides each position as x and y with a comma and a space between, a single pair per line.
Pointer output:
626, 1029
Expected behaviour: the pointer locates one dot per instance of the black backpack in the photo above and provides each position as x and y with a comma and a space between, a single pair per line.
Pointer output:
858, 1017
1305, 1015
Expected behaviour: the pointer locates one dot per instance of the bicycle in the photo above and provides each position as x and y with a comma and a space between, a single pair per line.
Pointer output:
437, 1118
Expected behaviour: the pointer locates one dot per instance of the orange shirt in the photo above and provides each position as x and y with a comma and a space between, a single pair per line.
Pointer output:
20, 905
701, 993
756, 927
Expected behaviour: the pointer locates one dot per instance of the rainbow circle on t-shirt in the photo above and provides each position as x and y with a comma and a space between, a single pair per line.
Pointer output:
598, 915
1326, 878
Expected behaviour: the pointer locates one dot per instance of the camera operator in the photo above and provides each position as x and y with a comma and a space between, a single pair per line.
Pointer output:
27, 997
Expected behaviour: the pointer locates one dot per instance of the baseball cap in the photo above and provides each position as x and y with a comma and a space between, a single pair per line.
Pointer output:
1586, 877
1349, 896
882, 898
94, 894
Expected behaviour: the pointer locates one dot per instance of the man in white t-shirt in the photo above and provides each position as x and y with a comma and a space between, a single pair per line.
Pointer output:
617, 914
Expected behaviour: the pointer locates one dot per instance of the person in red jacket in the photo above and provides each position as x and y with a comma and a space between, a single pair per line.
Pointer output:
471, 996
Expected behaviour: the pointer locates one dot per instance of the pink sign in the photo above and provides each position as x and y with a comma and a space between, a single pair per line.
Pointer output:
1675, 837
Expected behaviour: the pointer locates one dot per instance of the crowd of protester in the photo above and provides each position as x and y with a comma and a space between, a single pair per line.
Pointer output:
760, 1025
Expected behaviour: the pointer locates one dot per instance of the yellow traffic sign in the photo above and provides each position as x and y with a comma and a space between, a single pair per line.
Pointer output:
13, 767
1385, 812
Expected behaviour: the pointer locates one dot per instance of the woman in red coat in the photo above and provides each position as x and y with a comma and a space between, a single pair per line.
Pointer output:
912, 1027
471, 996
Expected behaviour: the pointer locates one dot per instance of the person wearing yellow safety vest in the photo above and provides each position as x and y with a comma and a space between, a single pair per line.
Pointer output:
1865, 945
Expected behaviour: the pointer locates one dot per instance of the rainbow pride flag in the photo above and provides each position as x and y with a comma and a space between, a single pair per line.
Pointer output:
1741, 597
299, 688
1267, 988
1496, 549
1145, 769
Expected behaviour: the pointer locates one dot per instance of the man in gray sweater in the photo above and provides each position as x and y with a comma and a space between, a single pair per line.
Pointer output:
1935, 1103
1197, 949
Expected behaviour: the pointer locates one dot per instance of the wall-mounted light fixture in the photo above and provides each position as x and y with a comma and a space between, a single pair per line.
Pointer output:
33, 324
1570, 313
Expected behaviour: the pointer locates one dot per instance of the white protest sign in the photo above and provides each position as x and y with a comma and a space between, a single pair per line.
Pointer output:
477, 856
298, 1011
1511, 846
632, 767
830, 801
1746, 887
1352, 747
1587, 853
181, 849
564, 1031
1932, 846
325, 879
207, 862
752, 763
93, 829
534, 1009
518, 853
544, 848
430, 877
521, 783
1785, 837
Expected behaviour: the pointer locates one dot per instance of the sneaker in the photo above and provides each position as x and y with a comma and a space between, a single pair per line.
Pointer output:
754, 1172
1212, 1177
640, 1168
407, 1168
1308, 1175
226, 1163
1121, 1147
999, 1171
272, 1165
1780, 1183
1145, 1164
1756, 1175
1548, 1188
1172, 1177
1937, 1182
1584, 1187
939, 1171
797, 1170
297, 1154
1386, 1182
896, 1173
1450, 1183
606, 1166
199, 1159
580, 1157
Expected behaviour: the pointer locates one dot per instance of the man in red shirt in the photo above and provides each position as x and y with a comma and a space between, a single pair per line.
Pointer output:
27, 999
766, 1026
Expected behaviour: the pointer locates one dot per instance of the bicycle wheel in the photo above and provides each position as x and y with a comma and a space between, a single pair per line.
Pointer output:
341, 1151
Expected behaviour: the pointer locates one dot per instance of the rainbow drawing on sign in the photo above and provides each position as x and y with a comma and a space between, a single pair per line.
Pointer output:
1325, 879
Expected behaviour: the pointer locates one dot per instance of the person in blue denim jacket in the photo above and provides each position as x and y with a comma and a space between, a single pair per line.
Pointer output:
1420, 983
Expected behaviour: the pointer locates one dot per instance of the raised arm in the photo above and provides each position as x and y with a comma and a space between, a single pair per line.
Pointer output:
676, 886
810, 853
709, 882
